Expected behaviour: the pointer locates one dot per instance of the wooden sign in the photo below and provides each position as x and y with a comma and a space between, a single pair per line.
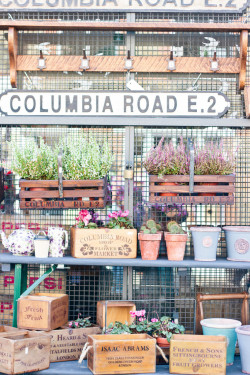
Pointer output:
67, 343
127, 5
193, 354
110, 103
103, 243
122, 354
42, 311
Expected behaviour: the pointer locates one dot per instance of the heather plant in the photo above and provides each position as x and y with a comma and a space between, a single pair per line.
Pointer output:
85, 159
214, 159
165, 159
34, 162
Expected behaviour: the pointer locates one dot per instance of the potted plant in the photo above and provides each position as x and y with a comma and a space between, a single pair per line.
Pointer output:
205, 240
67, 341
83, 167
238, 243
150, 239
176, 239
163, 329
117, 239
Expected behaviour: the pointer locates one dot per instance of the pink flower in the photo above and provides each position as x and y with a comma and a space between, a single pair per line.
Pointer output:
143, 312
76, 324
70, 324
154, 320
141, 319
132, 313
113, 215
86, 219
125, 213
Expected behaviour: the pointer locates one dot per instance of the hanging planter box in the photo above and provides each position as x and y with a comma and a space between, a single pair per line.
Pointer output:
103, 243
49, 194
206, 189
67, 343
122, 354
1, 184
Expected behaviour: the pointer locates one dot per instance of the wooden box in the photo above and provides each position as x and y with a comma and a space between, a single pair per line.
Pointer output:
222, 186
24, 352
194, 354
116, 311
1, 184
7, 330
42, 311
67, 343
76, 194
55, 282
122, 354
103, 243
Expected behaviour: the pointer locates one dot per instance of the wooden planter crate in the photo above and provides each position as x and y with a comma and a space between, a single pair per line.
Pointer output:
76, 194
224, 190
122, 354
193, 354
67, 343
24, 352
116, 311
42, 311
103, 243
7, 330
1, 184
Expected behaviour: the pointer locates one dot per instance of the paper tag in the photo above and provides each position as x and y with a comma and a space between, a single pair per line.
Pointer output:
26, 350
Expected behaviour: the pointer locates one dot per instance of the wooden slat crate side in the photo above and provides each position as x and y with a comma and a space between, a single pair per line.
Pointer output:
6, 356
192, 200
53, 204
59, 312
197, 189
195, 354
77, 193
67, 344
119, 354
66, 183
197, 178
103, 243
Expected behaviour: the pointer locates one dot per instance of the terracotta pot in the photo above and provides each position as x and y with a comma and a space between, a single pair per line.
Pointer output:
176, 245
168, 184
162, 342
38, 189
208, 194
149, 245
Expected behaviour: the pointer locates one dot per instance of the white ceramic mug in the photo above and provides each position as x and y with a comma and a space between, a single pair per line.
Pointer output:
58, 241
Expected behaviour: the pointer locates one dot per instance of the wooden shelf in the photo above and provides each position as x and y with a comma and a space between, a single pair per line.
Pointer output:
188, 262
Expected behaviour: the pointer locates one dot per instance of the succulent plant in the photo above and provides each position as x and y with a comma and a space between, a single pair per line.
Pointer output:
150, 227
174, 228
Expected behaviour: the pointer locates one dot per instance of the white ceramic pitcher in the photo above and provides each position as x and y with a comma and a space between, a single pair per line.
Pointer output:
58, 241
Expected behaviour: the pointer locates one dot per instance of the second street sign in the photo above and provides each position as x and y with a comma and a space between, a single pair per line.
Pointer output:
110, 103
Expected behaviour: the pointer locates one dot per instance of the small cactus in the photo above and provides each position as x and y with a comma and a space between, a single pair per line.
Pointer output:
92, 225
151, 227
174, 228
151, 224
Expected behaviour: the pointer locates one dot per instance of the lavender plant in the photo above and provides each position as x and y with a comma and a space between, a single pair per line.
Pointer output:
214, 159
165, 159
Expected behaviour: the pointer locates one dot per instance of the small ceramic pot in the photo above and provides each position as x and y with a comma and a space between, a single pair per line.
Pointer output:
41, 243
238, 243
205, 241
243, 334
176, 245
149, 245
223, 327
162, 342
208, 194
38, 189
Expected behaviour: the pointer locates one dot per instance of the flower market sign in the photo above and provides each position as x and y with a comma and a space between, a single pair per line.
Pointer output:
108, 103
127, 5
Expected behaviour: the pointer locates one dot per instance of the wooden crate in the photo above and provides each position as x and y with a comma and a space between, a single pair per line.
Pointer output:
116, 311
194, 354
224, 190
7, 330
42, 311
122, 354
24, 352
76, 194
53, 283
67, 343
1, 184
103, 243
